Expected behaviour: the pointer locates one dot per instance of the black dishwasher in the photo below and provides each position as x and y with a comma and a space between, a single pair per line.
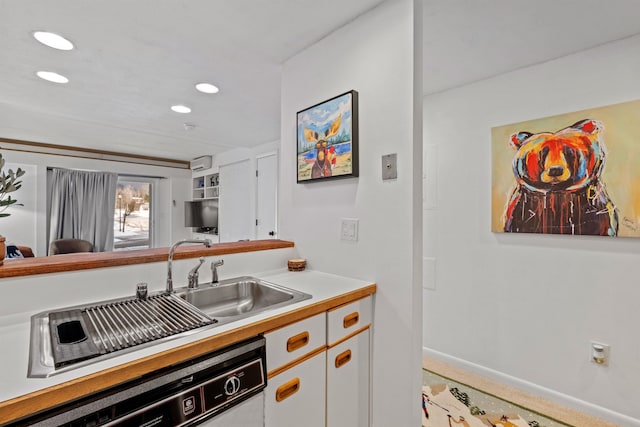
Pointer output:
187, 394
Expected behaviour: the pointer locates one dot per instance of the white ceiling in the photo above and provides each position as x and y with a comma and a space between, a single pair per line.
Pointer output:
470, 40
134, 59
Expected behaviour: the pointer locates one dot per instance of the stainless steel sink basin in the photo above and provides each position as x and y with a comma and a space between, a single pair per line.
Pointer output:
237, 298
77, 336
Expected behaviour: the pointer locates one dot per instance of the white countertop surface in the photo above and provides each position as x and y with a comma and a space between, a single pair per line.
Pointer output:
15, 332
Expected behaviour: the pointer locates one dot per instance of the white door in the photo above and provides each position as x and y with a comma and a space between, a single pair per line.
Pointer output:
266, 196
235, 214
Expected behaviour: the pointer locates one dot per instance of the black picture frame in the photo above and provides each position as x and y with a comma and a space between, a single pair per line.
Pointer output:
327, 139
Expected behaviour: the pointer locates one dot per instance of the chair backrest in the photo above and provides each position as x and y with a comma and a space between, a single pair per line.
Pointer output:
69, 246
26, 251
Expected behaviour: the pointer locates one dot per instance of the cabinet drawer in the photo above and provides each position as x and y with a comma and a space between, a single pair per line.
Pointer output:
347, 319
293, 341
296, 397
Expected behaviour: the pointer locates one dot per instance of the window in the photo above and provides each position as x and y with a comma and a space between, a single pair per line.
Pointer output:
132, 217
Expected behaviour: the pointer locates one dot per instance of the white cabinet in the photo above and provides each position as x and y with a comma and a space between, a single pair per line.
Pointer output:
296, 385
348, 382
348, 319
296, 397
295, 341
319, 369
348, 364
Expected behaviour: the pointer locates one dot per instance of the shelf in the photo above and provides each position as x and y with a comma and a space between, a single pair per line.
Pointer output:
206, 187
211, 192
198, 193
198, 182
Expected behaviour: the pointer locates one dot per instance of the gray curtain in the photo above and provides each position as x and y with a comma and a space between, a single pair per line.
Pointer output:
81, 205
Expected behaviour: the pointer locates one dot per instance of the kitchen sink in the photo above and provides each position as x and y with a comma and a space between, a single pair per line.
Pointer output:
237, 298
76, 336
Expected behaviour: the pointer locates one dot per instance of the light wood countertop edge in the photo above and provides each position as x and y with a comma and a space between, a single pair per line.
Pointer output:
14, 409
86, 261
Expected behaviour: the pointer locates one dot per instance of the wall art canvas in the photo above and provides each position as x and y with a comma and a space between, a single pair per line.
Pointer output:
327, 139
573, 173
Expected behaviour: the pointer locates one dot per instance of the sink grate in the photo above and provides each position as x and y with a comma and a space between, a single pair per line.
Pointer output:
124, 324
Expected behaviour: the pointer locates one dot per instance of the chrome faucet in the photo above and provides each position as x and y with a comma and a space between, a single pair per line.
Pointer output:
214, 270
205, 242
193, 274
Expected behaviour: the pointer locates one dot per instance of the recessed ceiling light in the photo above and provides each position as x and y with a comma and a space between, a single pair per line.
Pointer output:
52, 77
53, 40
181, 109
207, 88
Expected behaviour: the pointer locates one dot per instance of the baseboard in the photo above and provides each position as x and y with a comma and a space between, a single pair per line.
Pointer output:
534, 389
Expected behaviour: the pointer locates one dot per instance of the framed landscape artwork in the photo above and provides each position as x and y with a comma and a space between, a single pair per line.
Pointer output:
574, 173
327, 139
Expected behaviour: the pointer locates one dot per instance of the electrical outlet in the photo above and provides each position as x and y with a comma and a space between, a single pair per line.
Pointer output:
599, 353
349, 229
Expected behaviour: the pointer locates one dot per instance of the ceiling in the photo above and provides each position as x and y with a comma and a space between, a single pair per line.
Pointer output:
134, 59
470, 40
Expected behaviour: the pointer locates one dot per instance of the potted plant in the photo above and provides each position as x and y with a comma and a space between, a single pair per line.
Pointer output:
9, 182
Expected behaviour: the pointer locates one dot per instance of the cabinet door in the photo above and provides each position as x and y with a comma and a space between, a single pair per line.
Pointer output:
296, 397
348, 382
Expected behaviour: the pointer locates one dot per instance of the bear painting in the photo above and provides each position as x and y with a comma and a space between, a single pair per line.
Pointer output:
570, 174
559, 189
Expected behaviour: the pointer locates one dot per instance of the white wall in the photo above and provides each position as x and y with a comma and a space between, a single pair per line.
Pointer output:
33, 231
373, 55
527, 306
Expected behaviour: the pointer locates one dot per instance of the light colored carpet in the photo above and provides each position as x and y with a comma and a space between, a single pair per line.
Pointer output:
524, 400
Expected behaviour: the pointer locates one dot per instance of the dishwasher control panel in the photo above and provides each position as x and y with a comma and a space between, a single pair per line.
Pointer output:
233, 385
207, 398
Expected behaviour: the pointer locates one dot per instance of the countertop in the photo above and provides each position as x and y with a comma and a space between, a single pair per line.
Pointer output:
20, 395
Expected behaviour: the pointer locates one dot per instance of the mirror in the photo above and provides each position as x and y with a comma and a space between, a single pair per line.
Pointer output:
28, 224
123, 79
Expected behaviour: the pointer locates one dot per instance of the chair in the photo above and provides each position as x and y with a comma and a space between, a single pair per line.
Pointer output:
26, 251
69, 246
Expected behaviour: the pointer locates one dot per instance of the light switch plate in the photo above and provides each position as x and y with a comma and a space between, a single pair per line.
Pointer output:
389, 166
349, 229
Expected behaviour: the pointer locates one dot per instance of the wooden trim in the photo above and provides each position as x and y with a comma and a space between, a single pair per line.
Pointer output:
25, 405
89, 153
341, 306
351, 335
343, 358
288, 389
86, 261
296, 362
297, 341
